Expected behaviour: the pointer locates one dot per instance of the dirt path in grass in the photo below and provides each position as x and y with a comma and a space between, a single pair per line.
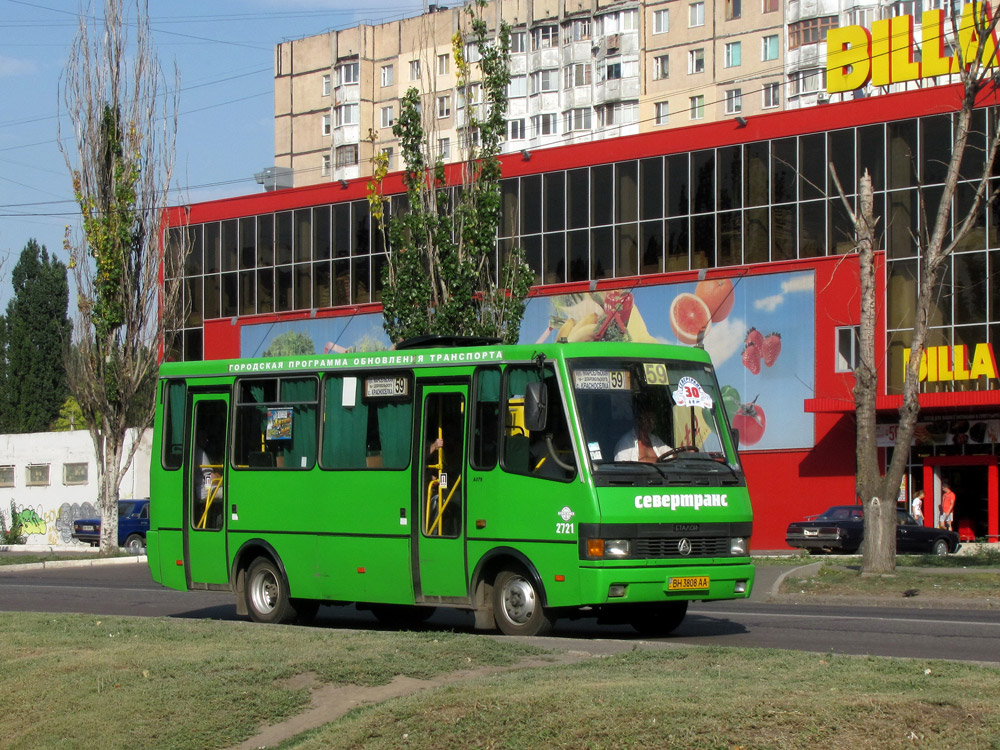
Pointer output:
329, 702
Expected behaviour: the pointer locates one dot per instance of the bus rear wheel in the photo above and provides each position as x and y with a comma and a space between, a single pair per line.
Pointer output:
267, 593
657, 620
517, 606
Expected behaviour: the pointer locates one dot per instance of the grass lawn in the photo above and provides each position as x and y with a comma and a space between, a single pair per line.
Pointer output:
83, 681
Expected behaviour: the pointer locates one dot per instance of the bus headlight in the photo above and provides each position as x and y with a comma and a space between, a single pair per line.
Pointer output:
606, 548
738, 546
617, 548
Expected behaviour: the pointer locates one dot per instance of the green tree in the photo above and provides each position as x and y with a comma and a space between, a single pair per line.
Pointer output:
443, 274
120, 156
70, 417
35, 334
290, 343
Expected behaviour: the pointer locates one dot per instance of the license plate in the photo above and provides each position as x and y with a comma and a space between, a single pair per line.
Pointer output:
687, 583
810, 532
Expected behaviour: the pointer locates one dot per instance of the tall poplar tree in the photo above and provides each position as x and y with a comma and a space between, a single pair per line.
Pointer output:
121, 157
35, 334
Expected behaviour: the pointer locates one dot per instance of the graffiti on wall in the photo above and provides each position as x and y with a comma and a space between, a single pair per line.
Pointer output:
54, 526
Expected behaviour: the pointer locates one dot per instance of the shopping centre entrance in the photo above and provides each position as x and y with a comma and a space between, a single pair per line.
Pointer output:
973, 479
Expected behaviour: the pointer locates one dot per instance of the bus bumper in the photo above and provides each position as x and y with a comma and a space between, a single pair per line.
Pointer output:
633, 585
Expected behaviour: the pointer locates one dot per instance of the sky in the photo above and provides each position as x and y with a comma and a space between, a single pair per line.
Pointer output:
224, 50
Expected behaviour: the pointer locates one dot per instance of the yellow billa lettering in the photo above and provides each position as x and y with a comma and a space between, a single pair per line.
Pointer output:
902, 66
983, 362
934, 60
968, 39
849, 58
881, 60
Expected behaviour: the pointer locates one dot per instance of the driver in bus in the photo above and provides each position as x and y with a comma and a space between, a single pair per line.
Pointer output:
640, 443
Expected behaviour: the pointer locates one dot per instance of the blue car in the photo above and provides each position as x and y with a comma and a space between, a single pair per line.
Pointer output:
133, 525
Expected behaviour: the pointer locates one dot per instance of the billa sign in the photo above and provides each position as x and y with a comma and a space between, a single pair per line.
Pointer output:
945, 363
885, 54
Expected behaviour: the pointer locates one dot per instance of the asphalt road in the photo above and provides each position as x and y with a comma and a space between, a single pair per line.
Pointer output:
963, 635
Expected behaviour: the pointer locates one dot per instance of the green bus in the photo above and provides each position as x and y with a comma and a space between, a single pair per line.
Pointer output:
521, 483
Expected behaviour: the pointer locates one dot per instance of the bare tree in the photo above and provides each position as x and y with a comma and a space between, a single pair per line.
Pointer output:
935, 242
121, 160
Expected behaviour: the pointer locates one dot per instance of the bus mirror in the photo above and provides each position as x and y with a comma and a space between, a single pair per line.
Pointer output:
536, 407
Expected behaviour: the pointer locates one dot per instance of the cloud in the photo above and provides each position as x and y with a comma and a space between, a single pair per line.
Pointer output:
769, 304
11, 67
724, 339
801, 283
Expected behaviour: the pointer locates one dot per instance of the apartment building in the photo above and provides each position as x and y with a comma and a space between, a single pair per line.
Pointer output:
581, 70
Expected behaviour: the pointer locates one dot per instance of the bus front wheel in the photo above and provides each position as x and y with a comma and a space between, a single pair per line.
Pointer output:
517, 606
267, 593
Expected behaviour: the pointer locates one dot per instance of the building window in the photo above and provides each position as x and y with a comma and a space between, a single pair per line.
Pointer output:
696, 14
444, 62
444, 148
612, 70
733, 53
515, 130
661, 21
619, 113
544, 125
544, 80
388, 157
578, 119
6, 476
662, 111
697, 109
545, 37
810, 31
517, 41
769, 6
630, 20
848, 343
772, 95
37, 475
472, 54
326, 85
661, 67
734, 9
444, 106
518, 86
576, 75
348, 73
75, 473
414, 70
861, 17
326, 125
734, 101
325, 168
807, 81
345, 114
577, 31
387, 75
347, 156
696, 61
769, 47
387, 117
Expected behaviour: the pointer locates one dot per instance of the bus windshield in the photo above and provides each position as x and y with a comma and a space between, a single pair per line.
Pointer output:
651, 411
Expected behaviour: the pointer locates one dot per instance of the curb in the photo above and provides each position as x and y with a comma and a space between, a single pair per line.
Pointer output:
89, 562
807, 570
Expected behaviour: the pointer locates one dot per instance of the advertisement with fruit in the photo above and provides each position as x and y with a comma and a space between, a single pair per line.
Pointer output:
759, 331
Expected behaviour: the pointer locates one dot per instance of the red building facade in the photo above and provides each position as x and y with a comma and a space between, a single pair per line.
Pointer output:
740, 216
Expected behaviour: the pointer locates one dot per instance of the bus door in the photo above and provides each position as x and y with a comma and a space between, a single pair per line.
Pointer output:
205, 490
440, 494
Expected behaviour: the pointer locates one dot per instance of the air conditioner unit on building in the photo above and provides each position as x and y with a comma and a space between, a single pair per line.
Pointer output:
822, 97
614, 41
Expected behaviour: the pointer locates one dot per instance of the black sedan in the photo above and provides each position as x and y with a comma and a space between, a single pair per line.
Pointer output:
842, 527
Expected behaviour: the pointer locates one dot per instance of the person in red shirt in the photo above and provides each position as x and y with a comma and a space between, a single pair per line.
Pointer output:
947, 506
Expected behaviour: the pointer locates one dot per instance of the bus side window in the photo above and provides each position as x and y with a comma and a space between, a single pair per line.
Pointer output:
365, 433
486, 418
547, 453
276, 423
174, 396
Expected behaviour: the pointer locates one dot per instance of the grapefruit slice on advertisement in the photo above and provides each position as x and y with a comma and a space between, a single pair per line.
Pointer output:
689, 317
